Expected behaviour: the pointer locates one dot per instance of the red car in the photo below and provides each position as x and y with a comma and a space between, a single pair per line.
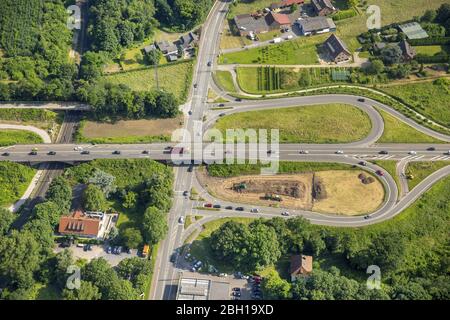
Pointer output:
208, 205
380, 173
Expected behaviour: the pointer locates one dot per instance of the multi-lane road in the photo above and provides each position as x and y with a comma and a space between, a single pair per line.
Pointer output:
166, 274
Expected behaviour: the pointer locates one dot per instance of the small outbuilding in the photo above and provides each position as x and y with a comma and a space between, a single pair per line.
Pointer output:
301, 265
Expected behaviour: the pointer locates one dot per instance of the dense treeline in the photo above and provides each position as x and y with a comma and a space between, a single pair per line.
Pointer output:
114, 24
411, 251
182, 15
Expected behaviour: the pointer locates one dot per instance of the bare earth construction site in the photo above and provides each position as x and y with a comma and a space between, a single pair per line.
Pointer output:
344, 192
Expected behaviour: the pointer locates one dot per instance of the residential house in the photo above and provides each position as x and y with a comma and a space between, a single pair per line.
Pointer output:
188, 41
277, 20
167, 48
149, 48
315, 25
247, 23
408, 51
301, 266
323, 7
85, 224
337, 50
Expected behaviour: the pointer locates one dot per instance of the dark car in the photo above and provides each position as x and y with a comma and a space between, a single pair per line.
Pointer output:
195, 85
221, 105
190, 168
431, 149
209, 63
229, 208
173, 258
380, 173
33, 153
217, 206
85, 152
238, 99
116, 152
145, 152
362, 100
5, 154
239, 208
51, 153
221, 115
362, 163
383, 152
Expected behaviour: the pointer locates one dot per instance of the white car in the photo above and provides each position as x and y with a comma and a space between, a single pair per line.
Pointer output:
448, 152
254, 210
285, 213
339, 152
181, 220
412, 153
304, 152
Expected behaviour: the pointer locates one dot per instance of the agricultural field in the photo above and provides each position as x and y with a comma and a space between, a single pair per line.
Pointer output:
128, 131
12, 137
175, 78
299, 51
259, 80
419, 170
428, 98
396, 131
14, 180
330, 123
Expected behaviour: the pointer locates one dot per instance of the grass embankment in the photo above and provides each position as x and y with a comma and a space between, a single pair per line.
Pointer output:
417, 171
225, 80
390, 166
128, 131
396, 131
14, 180
332, 123
175, 78
41, 118
428, 98
286, 167
12, 137
302, 50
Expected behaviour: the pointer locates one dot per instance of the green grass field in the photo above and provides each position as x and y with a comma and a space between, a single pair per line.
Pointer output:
332, 123
14, 180
428, 98
12, 137
421, 170
175, 78
225, 80
390, 166
396, 131
299, 51
429, 50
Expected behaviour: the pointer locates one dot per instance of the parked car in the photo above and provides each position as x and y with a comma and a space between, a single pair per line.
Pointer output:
108, 250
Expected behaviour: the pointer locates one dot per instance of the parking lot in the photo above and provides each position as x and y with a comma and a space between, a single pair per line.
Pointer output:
98, 251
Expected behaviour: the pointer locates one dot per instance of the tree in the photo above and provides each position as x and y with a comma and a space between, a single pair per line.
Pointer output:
375, 67
19, 258
153, 57
129, 200
131, 238
135, 270
274, 287
428, 16
94, 199
6, 219
91, 66
60, 192
263, 248
411, 291
103, 180
391, 54
87, 291
48, 211
63, 260
154, 225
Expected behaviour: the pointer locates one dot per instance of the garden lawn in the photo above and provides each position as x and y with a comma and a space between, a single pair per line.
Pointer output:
421, 170
396, 131
431, 99
12, 137
331, 123
175, 78
14, 180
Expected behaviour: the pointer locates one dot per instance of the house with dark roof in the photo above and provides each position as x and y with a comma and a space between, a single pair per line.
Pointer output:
246, 23
277, 20
167, 48
301, 266
188, 41
85, 224
323, 7
407, 50
149, 48
315, 25
336, 49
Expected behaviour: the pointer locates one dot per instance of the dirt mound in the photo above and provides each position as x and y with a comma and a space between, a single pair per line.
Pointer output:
293, 189
318, 189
